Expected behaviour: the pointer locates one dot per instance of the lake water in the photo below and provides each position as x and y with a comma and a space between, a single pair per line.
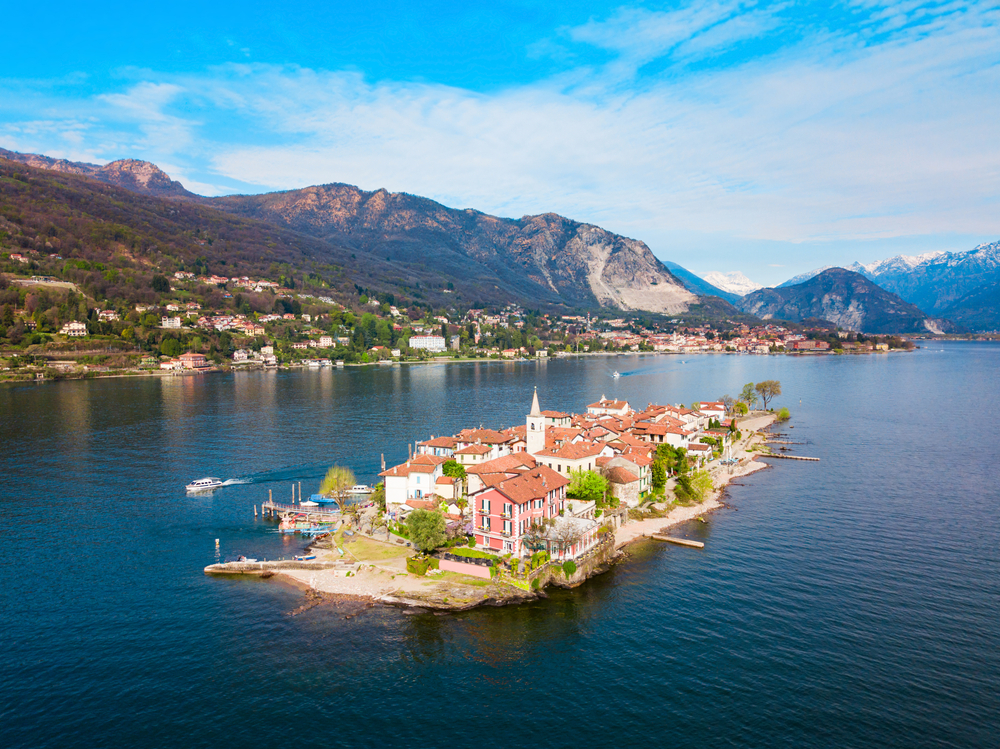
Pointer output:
851, 602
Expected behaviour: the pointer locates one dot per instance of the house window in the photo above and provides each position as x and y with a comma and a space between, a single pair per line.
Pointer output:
486, 506
559, 468
507, 508
506, 527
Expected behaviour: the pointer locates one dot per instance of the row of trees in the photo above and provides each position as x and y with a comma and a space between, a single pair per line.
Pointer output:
752, 395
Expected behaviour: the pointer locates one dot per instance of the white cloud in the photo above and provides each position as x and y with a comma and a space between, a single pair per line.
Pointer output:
885, 131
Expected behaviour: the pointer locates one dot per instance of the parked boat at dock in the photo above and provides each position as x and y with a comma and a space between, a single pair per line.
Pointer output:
360, 489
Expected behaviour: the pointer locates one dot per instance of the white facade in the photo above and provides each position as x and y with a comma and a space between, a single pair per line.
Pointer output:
429, 342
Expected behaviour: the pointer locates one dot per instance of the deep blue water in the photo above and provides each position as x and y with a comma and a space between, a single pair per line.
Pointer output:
851, 602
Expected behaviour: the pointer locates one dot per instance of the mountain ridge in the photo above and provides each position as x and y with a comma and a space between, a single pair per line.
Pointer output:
424, 247
845, 298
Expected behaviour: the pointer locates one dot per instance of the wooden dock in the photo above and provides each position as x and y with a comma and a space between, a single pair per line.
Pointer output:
789, 457
274, 509
678, 541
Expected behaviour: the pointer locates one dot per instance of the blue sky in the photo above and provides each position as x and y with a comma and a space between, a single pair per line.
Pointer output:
768, 138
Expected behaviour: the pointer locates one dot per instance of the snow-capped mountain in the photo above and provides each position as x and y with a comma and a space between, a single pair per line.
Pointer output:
898, 264
962, 286
734, 283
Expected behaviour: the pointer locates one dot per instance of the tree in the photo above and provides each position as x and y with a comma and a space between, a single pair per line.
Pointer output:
741, 409
767, 390
749, 395
336, 483
728, 402
454, 469
659, 475
170, 347
564, 534
587, 485
161, 284
427, 529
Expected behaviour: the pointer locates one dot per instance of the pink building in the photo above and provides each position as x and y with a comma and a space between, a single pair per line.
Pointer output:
505, 510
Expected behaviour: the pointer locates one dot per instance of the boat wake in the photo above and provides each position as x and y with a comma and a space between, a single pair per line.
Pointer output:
304, 472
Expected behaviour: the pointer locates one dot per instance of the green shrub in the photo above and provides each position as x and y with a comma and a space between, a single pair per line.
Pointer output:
435, 563
472, 540
417, 566
534, 583
493, 571
569, 567
784, 414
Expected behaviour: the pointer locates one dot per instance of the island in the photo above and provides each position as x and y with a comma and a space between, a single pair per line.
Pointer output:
494, 516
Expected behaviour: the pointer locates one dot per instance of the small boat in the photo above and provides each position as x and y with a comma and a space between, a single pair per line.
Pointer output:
308, 503
616, 374
321, 500
360, 489
304, 557
204, 485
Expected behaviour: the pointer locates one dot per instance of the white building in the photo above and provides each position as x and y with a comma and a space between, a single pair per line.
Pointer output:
414, 479
429, 342
74, 329
170, 322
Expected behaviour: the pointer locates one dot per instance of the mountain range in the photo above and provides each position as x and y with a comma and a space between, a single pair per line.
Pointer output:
845, 298
405, 243
414, 246
959, 286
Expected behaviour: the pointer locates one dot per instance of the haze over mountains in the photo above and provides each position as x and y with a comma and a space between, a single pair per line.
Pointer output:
403, 242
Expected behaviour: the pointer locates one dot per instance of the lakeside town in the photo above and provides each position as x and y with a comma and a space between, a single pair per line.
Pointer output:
50, 329
496, 515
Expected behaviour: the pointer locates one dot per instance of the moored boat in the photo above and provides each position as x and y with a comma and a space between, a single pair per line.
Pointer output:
360, 489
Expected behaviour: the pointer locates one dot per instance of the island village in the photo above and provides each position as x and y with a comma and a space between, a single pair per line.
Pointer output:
551, 501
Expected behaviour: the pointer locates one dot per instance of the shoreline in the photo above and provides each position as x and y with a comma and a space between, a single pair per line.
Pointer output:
388, 583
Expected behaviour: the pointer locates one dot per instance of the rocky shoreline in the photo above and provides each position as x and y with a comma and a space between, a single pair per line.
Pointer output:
386, 582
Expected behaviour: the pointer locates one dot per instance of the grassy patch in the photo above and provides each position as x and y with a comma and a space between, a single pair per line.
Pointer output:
368, 550
460, 551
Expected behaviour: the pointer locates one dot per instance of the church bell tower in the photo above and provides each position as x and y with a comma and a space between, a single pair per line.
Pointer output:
535, 434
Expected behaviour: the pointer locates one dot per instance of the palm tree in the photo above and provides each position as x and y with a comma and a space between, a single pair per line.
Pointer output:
336, 483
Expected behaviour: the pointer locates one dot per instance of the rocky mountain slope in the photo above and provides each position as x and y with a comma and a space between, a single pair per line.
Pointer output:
545, 258
845, 298
404, 242
959, 286
131, 174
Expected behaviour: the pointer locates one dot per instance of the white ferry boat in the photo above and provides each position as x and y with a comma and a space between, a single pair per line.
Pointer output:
360, 489
204, 485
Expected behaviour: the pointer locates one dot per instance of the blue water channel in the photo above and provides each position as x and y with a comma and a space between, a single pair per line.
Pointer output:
850, 602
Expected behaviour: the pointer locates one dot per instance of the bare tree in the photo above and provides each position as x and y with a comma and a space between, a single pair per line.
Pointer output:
565, 535
767, 390
728, 402
336, 483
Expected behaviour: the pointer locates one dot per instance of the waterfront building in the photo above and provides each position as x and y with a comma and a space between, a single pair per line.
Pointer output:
428, 342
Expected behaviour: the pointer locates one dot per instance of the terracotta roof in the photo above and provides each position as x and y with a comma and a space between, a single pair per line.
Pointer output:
699, 447
445, 480
532, 485
422, 504
620, 475
489, 436
503, 464
475, 450
609, 404
555, 414
573, 451
440, 442
418, 464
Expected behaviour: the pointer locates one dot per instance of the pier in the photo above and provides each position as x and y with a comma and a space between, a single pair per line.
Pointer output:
678, 541
788, 457
274, 509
